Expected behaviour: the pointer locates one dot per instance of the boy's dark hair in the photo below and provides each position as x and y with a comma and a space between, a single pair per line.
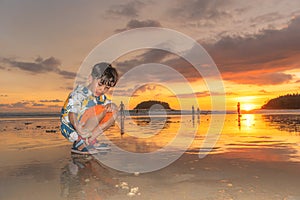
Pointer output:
105, 73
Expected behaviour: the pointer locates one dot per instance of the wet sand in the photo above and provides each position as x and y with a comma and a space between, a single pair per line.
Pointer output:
257, 158
52, 173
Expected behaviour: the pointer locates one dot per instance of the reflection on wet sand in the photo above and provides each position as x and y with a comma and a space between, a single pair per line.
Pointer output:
141, 134
239, 133
85, 178
239, 121
246, 121
222, 176
154, 122
259, 161
289, 123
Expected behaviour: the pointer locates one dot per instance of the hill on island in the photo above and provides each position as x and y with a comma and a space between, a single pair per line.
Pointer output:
148, 104
289, 101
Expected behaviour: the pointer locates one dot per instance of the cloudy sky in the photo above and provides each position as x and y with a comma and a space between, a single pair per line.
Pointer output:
255, 45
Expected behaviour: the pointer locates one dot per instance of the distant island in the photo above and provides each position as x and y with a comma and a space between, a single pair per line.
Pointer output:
289, 101
146, 105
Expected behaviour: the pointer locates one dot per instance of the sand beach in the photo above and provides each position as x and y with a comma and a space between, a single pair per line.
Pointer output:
257, 159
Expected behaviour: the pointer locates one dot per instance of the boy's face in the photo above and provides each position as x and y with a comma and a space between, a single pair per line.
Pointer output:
97, 88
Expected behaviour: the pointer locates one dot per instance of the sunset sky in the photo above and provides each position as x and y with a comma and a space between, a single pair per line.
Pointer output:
255, 45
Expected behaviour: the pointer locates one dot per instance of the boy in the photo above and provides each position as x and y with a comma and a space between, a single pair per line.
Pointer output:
87, 112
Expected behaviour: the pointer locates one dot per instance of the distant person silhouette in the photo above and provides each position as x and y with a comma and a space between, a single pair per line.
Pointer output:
238, 108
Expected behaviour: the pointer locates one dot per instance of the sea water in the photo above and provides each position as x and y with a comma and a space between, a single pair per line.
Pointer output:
271, 136
246, 159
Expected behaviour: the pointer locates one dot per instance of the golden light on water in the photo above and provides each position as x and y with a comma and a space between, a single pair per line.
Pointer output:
250, 120
249, 136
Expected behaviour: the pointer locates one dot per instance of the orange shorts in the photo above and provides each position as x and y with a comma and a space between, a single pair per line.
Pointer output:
94, 111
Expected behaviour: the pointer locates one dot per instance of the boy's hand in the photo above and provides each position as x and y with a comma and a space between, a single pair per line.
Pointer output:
85, 133
111, 107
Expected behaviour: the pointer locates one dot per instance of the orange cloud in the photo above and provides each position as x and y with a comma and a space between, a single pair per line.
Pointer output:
259, 59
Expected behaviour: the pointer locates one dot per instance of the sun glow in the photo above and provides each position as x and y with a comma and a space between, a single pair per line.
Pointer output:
248, 103
248, 107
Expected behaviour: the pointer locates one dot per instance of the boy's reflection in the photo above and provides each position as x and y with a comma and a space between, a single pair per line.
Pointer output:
85, 178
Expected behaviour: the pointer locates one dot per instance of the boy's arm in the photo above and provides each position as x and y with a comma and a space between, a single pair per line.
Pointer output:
98, 130
111, 107
76, 124
73, 119
74, 105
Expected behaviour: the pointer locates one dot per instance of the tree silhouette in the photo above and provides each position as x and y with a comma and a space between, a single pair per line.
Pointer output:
148, 104
289, 101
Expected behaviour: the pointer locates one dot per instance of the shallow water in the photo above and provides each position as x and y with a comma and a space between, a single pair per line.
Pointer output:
29, 133
250, 136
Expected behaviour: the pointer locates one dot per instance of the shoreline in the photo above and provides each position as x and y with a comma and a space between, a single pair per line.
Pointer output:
34, 115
